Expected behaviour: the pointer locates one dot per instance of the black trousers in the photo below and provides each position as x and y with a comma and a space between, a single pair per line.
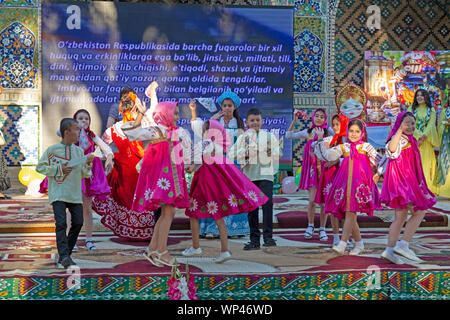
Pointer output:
266, 187
65, 243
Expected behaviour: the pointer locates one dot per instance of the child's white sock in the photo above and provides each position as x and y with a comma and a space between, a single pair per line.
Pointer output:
359, 244
403, 244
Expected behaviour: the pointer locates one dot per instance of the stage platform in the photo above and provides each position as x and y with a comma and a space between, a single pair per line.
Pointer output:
296, 269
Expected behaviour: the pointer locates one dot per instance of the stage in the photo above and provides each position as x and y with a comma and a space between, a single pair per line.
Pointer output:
296, 269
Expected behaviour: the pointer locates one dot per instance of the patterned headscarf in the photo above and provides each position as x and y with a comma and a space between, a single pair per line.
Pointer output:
397, 124
230, 95
163, 115
343, 129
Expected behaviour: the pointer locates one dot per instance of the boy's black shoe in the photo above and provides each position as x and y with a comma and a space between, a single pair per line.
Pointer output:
269, 243
252, 246
66, 262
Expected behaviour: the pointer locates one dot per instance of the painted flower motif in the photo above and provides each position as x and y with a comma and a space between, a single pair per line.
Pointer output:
363, 194
338, 195
148, 194
253, 196
27, 42
211, 207
327, 189
232, 200
163, 183
193, 205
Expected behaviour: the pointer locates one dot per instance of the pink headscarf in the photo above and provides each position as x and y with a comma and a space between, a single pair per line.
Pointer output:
163, 115
325, 123
397, 124
219, 135
353, 145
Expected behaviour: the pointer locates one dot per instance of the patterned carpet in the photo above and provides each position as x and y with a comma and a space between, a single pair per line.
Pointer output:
295, 269
26, 214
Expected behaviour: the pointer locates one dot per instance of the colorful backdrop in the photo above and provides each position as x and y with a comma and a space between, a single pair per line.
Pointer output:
331, 38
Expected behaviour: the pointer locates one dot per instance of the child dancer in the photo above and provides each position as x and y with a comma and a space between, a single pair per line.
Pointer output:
339, 124
64, 186
311, 168
96, 185
353, 186
231, 193
258, 151
161, 181
116, 209
404, 187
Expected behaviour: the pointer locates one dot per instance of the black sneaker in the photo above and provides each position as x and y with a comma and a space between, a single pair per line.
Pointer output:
66, 262
252, 246
269, 243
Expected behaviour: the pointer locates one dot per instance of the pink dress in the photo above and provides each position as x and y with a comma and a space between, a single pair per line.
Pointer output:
353, 189
220, 189
161, 179
97, 185
312, 168
325, 181
404, 181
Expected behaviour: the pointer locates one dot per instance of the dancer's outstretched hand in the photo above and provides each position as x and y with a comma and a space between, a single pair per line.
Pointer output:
151, 89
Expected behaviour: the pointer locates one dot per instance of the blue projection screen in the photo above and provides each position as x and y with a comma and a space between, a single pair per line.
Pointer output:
91, 51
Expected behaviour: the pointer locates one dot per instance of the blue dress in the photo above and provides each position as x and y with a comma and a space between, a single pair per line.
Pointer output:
237, 225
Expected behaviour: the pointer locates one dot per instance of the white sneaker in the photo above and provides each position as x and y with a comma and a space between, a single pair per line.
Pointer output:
391, 257
340, 247
407, 253
224, 256
192, 252
75, 248
356, 251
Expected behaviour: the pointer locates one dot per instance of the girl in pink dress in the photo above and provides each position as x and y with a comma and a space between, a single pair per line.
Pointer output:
353, 188
339, 124
404, 188
311, 167
219, 189
161, 181
97, 185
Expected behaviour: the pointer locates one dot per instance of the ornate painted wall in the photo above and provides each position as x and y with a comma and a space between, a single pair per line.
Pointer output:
415, 25
330, 38
20, 99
